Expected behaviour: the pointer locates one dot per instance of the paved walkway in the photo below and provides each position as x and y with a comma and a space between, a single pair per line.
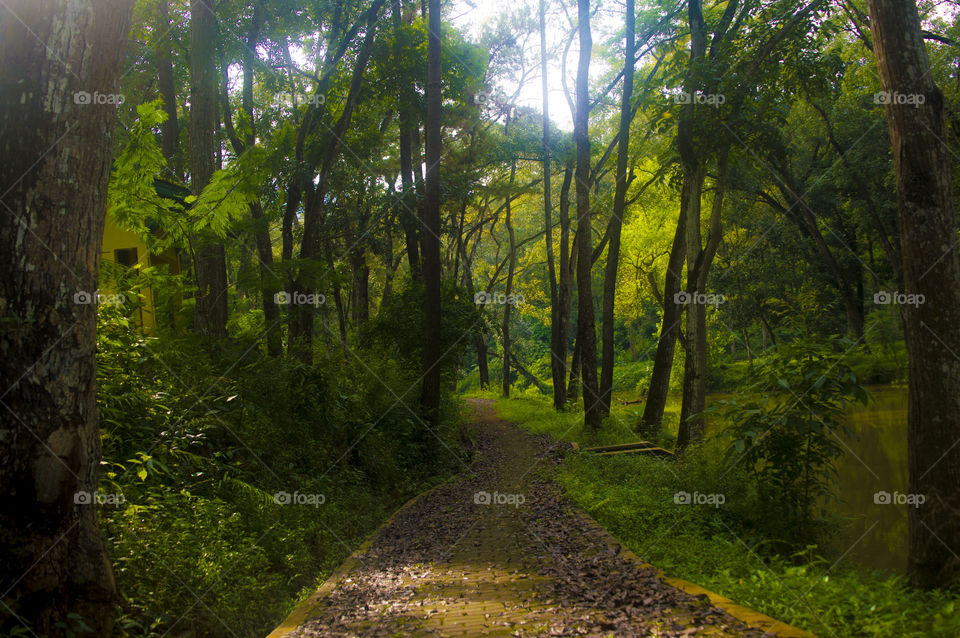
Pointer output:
501, 553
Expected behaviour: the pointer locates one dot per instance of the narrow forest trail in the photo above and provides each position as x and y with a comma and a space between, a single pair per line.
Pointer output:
500, 552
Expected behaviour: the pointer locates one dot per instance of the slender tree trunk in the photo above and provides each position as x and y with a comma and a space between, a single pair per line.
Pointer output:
269, 282
586, 331
432, 350
169, 130
568, 268
511, 269
616, 220
56, 148
301, 334
930, 267
558, 350
210, 314
573, 386
652, 419
482, 366
694, 172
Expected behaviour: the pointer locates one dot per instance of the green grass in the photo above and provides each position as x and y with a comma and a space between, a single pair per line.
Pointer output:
719, 548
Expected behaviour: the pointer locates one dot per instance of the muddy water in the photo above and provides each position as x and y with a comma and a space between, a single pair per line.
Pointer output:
875, 461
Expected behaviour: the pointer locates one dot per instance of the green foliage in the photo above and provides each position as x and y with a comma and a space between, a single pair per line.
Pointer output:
790, 437
199, 443
720, 547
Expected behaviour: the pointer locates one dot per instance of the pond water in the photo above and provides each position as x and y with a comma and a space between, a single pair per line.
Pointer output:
875, 534
875, 460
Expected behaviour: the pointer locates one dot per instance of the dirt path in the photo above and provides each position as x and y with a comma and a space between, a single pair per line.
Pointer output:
500, 553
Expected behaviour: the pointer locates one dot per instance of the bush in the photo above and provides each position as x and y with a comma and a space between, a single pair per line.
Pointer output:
202, 443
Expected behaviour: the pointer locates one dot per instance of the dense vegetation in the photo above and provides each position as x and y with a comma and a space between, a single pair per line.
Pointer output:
707, 225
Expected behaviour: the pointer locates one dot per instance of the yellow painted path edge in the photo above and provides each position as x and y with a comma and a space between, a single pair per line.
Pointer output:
305, 610
744, 614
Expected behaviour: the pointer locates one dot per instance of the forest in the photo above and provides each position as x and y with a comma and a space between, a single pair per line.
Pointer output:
479, 317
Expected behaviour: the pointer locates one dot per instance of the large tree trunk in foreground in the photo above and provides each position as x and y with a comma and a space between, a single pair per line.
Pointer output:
616, 221
210, 268
432, 347
586, 331
56, 137
930, 267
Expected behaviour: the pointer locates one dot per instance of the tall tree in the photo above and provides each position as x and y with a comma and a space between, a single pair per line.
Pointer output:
210, 266
162, 51
616, 220
432, 352
315, 191
57, 117
511, 270
558, 350
586, 330
931, 267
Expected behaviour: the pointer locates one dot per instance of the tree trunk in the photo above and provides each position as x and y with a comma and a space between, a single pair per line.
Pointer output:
568, 265
694, 172
269, 282
586, 331
482, 367
573, 387
405, 203
210, 265
169, 130
930, 267
56, 145
432, 349
511, 269
616, 220
558, 350
652, 420
301, 333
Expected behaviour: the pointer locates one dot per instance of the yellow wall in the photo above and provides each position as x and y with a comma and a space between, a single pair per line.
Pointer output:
115, 238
